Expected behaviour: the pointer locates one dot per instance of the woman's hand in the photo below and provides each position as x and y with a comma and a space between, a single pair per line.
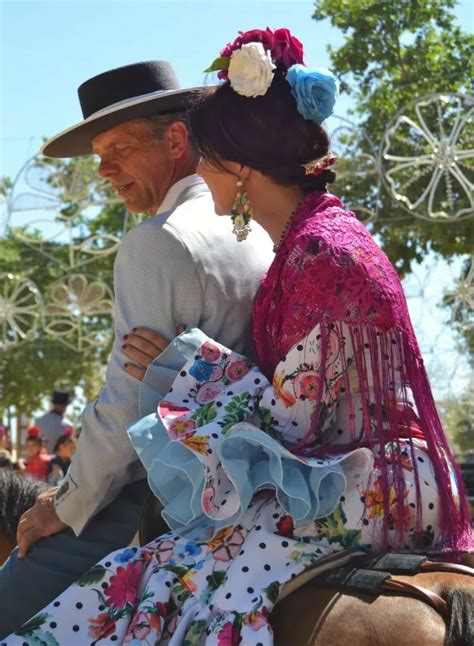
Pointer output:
143, 345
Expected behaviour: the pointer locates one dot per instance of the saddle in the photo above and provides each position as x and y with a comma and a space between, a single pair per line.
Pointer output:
372, 574
346, 570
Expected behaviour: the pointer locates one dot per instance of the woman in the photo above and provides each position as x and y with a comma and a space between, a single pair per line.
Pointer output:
333, 442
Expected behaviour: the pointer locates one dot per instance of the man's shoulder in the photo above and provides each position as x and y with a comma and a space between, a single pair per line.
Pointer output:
196, 223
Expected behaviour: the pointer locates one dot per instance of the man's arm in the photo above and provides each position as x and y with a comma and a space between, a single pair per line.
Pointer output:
155, 285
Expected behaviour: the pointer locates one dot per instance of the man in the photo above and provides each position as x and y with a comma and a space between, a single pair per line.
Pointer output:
179, 266
53, 424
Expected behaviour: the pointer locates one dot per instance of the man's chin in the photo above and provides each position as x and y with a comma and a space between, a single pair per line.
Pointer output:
133, 207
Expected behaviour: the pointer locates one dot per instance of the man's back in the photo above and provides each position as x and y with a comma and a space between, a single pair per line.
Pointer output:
52, 425
181, 266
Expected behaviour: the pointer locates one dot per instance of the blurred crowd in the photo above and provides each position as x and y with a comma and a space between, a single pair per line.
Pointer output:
49, 446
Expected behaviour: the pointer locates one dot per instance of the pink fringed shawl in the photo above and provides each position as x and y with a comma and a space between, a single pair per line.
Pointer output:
330, 271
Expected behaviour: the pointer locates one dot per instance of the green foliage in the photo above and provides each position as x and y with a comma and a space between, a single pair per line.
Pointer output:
457, 414
392, 54
29, 372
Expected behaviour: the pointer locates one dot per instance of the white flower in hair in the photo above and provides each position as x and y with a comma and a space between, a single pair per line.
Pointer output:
251, 70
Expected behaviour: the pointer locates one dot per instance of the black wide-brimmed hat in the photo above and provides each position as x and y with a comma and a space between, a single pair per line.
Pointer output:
60, 396
117, 96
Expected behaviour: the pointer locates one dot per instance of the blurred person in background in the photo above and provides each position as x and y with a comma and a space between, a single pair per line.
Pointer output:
37, 460
64, 449
53, 424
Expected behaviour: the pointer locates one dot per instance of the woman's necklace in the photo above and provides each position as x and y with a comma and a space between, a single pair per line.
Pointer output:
278, 244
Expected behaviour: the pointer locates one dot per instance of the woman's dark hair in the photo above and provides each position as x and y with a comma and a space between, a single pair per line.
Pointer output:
62, 439
266, 133
36, 439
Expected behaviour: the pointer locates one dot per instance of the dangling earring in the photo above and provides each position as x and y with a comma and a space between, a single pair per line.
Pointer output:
241, 213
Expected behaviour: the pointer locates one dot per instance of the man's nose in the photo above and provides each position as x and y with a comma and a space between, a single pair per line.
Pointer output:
107, 168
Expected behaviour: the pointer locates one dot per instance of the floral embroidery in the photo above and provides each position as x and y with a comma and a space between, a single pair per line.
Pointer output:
237, 370
197, 443
102, 626
230, 633
201, 370
181, 427
334, 528
225, 548
123, 585
210, 352
306, 384
285, 526
285, 396
257, 619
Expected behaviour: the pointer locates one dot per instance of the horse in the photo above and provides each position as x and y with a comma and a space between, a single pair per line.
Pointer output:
313, 615
317, 616
17, 494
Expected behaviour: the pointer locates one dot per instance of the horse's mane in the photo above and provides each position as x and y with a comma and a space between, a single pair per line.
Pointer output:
17, 494
460, 628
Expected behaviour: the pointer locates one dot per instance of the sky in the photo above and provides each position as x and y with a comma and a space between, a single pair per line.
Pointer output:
49, 48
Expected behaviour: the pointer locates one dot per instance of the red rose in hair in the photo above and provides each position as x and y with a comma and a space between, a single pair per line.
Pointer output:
287, 49
253, 36
258, 36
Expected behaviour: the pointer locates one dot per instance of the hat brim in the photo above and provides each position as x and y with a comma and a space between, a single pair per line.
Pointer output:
77, 140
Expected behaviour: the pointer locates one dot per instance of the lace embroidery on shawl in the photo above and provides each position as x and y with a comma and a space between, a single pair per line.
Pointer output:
329, 271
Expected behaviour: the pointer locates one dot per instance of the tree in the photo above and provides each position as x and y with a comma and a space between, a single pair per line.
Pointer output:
394, 52
29, 371
457, 414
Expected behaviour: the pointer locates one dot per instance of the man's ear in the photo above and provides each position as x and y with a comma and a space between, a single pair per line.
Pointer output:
177, 139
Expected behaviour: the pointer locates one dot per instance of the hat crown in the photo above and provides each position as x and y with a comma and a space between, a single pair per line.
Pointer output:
60, 396
124, 83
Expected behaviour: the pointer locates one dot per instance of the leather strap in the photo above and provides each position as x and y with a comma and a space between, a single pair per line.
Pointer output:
373, 580
455, 568
429, 597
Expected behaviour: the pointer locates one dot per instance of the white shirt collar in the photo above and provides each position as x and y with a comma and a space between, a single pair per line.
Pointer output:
175, 191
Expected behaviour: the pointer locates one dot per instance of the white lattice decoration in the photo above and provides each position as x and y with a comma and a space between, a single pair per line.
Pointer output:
71, 303
20, 310
427, 157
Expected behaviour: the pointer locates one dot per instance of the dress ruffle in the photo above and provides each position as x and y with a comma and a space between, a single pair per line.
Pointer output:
205, 490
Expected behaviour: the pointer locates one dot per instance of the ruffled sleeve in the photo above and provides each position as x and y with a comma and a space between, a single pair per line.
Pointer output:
219, 436
164, 369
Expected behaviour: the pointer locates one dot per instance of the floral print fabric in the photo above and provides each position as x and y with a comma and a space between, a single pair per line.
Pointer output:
181, 591
222, 433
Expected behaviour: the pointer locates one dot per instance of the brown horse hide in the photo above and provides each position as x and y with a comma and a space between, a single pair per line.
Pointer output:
313, 616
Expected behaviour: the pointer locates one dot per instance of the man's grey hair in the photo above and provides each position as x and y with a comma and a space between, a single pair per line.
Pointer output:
159, 122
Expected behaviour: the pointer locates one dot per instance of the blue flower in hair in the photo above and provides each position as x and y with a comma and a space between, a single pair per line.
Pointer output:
315, 91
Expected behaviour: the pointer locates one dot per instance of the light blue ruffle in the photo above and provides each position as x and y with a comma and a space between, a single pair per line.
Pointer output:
251, 459
164, 369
